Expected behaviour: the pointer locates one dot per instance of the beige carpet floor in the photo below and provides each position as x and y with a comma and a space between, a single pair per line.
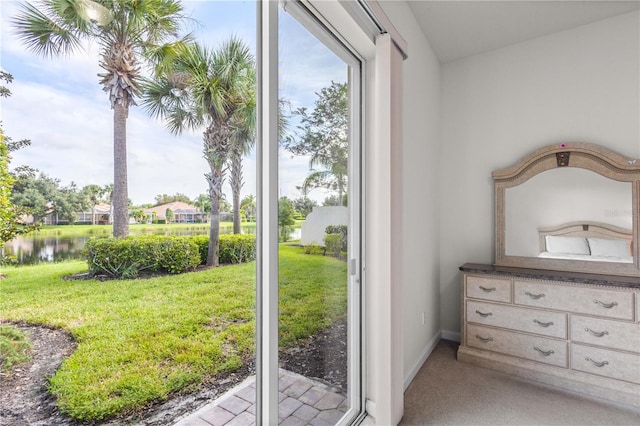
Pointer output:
448, 392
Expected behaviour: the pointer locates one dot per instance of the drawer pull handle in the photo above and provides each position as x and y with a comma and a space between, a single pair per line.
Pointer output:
596, 333
484, 339
534, 296
482, 314
545, 353
487, 289
543, 324
596, 363
606, 305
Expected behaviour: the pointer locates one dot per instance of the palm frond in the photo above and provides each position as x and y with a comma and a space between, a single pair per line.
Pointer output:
47, 33
163, 100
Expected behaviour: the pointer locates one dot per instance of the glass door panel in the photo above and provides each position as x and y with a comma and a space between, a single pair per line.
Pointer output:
318, 223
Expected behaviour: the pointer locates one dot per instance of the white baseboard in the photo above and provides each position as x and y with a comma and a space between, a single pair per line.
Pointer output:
451, 335
429, 347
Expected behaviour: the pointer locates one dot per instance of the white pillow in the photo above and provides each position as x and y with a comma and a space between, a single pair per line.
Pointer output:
571, 245
609, 248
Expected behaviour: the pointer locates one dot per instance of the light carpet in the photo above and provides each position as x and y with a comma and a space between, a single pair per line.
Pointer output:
448, 392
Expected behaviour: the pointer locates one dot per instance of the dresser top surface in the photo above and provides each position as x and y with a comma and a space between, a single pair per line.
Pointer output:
577, 277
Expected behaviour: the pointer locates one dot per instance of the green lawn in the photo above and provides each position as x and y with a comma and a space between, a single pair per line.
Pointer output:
14, 347
140, 341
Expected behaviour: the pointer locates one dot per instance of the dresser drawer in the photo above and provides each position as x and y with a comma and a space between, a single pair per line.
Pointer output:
608, 333
541, 349
487, 288
590, 301
546, 323
603, 362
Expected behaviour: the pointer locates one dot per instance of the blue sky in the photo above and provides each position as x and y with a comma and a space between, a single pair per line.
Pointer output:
59, 105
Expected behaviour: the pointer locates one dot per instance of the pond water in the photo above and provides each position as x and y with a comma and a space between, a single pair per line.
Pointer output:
30, 249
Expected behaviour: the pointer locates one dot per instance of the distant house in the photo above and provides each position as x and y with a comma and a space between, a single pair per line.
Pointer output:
182, 212
99, 215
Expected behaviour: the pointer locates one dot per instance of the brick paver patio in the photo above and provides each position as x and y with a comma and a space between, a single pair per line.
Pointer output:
302, 402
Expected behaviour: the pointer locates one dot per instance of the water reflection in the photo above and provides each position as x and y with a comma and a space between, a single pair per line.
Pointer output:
31, 249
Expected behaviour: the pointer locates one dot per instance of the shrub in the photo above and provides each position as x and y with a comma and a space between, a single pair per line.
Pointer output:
314, 249
6, 260
333, 244
177, 254
127, 257
237, 248
339, 229
234, 248
202, 241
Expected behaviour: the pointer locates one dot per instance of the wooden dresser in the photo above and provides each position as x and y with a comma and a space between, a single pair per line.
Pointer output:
576, 331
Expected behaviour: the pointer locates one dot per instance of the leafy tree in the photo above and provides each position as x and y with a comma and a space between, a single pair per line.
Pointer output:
304, 205
7, 78
138, 214
43, 195
70, 201
248, 207
166, 199
12, 217
214, 89
323, 135
286, 217
93, 194
203, 202
12, 145
168, 215
333, 200
129, 33
12, 222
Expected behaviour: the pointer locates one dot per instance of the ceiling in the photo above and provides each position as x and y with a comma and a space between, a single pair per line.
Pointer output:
456, 29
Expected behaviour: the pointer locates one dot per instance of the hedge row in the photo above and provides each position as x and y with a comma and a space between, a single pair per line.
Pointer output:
234, 248
126, 258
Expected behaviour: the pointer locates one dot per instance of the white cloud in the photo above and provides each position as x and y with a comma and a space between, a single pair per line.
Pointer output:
59, 105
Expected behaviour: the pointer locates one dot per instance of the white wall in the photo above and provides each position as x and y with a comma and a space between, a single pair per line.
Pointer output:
420, 214
576, 85
315, 224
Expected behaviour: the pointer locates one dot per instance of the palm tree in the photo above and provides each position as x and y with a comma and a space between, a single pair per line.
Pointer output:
93, 193
128, 33
243, 143
203, 201
210, 89
248, 206
107, 193
333, 175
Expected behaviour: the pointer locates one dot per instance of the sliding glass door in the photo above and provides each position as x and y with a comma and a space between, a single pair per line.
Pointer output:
310, 268
318, 189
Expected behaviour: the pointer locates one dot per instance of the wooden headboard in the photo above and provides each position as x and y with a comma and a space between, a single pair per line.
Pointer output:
584, 229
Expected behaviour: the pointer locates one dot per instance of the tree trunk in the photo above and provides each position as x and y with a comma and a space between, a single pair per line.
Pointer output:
216, 140
120, 194
236, 186
213, 256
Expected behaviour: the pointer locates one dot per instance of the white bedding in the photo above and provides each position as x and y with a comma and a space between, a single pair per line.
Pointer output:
573, 256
